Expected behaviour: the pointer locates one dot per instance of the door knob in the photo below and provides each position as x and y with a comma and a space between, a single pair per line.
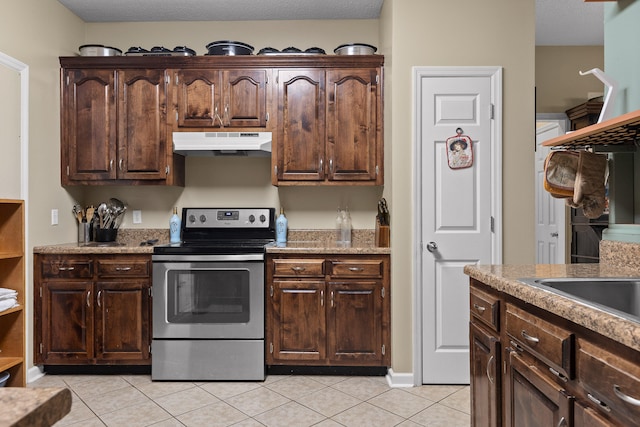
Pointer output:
432, 246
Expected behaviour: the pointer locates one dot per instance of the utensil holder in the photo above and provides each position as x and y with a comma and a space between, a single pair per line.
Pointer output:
105, 234
383, 235
84, 235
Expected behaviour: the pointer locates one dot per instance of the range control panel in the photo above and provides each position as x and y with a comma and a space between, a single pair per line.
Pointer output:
226, 218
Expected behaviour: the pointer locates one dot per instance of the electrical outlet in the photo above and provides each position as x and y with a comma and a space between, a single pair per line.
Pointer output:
137, 217
54, 216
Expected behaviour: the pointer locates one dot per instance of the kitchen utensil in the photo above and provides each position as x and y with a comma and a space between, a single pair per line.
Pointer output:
90, 211
98, 50
383, 212
77, 212
227, 47
355, 49
102, 213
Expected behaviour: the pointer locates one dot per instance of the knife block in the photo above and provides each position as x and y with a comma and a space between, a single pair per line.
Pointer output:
383, 235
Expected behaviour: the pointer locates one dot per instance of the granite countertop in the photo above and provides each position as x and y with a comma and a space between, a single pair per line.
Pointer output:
33, 407
127, 242
323, 242
324, 247
504, 278
300, 242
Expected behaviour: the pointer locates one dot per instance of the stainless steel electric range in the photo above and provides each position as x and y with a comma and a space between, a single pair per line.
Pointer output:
208, 296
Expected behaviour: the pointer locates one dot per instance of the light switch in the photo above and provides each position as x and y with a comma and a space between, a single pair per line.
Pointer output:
137, 217
54, 216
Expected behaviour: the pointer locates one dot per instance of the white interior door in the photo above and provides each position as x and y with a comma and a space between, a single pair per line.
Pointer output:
550, 212
457, 210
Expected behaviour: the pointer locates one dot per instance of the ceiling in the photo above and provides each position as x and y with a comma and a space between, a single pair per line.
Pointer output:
558, 22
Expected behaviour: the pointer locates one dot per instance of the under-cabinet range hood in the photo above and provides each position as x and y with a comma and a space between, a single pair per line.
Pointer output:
254, 144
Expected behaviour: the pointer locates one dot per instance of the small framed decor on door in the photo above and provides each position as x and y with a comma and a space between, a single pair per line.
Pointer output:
459, 151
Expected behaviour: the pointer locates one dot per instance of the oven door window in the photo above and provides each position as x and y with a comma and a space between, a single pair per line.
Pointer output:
208, 296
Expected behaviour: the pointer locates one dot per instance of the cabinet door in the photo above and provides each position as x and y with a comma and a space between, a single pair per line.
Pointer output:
354, 323
142, 124
485, 377
88, 146
352, 125
301, 125
66, 323
245, 98
534, 400
122, 320
298, 322
199, 98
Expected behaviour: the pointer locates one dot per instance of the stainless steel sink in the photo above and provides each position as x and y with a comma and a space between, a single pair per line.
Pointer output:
619, 296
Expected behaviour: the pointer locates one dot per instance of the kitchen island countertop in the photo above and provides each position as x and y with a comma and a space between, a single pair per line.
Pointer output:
33, 407
504, 278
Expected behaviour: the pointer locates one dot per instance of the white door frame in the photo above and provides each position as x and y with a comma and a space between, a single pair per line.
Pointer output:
495, 73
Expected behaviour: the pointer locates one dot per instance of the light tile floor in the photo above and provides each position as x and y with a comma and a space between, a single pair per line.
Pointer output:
296, 400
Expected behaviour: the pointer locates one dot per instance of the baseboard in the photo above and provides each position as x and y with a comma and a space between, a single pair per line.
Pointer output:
395, 379
33, 374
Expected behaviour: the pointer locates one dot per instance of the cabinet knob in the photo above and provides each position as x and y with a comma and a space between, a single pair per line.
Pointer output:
479, 308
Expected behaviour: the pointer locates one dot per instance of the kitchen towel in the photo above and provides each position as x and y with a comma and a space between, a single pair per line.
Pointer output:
560, 169
589, 191
8, 293
8, 303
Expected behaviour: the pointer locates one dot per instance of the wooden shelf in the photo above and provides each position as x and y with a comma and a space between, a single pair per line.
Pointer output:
623, 130
11, 310
9, 362
12, 276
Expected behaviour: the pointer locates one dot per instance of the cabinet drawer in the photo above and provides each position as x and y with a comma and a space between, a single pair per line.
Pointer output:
552, 344
486, 308
123, 268
356, 268
298, 267
610, 380
67, 268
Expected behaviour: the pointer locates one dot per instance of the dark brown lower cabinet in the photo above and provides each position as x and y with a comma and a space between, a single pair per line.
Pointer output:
552, 373
486, 389
533, 399
331, 311
92, 309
